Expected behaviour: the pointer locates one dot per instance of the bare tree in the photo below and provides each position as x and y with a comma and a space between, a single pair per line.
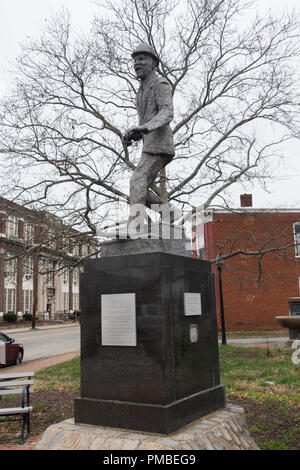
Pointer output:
61, 127
257, 248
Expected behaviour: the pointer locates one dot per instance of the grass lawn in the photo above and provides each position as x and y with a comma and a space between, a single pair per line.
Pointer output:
265, 382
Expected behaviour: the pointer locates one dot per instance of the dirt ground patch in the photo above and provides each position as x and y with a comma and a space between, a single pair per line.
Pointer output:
48, 408
269, 424
274, 425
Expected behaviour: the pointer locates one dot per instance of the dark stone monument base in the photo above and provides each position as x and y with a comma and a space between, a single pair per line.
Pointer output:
169, 376
149, 417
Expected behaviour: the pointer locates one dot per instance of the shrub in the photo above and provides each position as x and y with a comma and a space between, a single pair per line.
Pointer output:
27, 316
75, 315
10, 317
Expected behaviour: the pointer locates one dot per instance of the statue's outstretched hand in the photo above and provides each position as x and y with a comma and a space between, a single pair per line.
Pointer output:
133, 134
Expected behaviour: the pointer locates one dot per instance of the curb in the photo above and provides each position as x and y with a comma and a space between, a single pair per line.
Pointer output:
38, 364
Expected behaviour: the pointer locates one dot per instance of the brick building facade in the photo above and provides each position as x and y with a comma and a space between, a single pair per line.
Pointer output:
39, 262
256, 288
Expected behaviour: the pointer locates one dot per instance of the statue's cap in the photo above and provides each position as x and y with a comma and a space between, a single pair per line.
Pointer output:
144, 48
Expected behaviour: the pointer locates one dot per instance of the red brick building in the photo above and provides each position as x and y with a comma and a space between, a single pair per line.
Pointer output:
39, 259
256, 288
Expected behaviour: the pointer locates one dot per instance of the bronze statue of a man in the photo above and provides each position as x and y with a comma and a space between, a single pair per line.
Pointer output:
154, 104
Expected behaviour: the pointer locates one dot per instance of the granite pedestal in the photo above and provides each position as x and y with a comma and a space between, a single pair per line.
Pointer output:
160, 237
171, 376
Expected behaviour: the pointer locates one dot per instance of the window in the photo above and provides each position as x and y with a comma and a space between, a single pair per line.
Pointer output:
75, 276
50, 277
66, 275
11, 269
27, 301
76, 250
51, 240
28, 232
75, 301
84, 250
11, 226
64, 242
49, 273
200, 244
3, 223
4, 338
66, 302
10, 300
28, 267
297, 239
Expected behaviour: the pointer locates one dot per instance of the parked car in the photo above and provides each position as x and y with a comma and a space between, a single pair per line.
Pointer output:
11, 351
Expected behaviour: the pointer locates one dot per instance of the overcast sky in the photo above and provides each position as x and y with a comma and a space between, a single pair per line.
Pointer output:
20, 19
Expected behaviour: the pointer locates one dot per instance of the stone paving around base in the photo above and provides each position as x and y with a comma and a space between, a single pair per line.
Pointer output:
225, 429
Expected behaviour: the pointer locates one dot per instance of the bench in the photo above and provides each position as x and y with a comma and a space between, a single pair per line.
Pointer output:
17, 384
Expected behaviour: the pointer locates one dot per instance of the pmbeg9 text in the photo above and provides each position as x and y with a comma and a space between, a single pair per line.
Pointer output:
171, 459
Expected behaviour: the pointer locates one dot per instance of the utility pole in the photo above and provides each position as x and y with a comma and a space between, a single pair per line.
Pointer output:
35, 285
219, 263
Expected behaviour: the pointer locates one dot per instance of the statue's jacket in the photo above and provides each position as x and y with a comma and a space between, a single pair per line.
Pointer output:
154, 105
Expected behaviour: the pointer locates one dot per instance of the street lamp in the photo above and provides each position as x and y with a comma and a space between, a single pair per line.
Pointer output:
219, 263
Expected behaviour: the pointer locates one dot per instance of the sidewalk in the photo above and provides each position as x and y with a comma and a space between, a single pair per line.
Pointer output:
10, 331
254, 341
39, 364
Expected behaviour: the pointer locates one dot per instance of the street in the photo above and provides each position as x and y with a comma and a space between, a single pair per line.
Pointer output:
40, 344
